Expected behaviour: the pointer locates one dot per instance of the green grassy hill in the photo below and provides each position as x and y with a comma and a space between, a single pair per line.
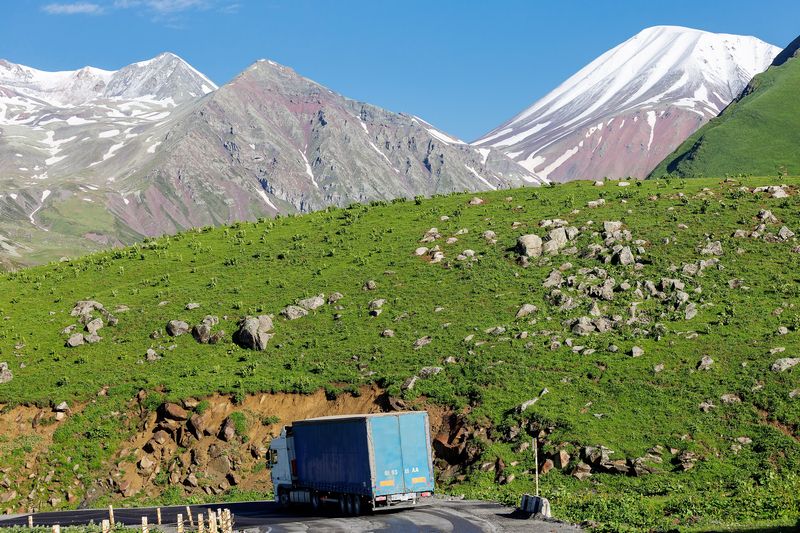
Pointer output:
759, 134
687, 290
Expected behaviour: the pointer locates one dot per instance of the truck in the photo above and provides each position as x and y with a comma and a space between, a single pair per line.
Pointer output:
358, 462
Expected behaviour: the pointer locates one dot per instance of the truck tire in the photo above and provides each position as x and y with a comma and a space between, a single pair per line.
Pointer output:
343, 504
315, 503
356, 505
283, 498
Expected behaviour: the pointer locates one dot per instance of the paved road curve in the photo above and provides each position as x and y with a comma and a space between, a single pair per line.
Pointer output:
459, 516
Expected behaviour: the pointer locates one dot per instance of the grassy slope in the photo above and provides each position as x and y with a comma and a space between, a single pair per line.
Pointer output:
758, 135
261, 267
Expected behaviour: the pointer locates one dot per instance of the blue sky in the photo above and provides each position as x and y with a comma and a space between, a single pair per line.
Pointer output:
465, 66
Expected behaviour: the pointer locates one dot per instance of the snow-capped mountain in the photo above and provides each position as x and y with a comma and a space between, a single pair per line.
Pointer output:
624, 112
94, 158
165, 76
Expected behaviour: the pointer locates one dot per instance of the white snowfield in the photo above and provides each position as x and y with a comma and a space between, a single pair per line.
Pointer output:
659, 68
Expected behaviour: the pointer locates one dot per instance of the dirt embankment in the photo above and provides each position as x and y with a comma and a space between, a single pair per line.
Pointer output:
199, 446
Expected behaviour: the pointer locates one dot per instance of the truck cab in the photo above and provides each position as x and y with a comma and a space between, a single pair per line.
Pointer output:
281, 465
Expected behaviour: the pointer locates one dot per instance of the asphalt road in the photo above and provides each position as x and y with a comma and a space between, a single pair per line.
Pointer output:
457, 516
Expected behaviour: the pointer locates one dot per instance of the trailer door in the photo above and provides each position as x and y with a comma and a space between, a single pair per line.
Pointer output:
415, 445
387, 450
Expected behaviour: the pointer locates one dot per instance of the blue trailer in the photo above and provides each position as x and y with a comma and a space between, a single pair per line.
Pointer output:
378, 461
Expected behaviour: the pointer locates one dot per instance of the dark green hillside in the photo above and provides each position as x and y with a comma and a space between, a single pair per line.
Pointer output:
647, 287
759, 134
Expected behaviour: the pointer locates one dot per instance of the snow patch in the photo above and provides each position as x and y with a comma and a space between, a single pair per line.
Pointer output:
651, 121
475, 173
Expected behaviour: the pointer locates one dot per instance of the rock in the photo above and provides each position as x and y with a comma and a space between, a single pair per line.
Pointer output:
794, 394
422, 250
62, 407
785, 363
293, 312
497, 330
428, 371
731, 398
777, 349
387, 333
712, 248
423, 341
658, 368
595, 203
583, 326
93, 326
637, 351
146, 463
228, 430
197, 425
409, 383
93, 338
173, 411
215, 338
582, 471
690, 312
8, 496
613, 348
191, 480
530, 245
476, 201
785, 233
555, 279
202, 332
312, 303
192, 305
376, 304
623, 184
706, 406
525, 310
624, 256
176, 328
599, 183
5, 374
547, 466
490, 236
335, 297
151, 355
705, 363
74, 340
561, 459
370, 285
254, 332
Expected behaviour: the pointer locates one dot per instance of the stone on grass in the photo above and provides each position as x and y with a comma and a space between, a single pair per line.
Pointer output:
387, 333
428, 371
785, 363
705, 363
530, 245
176, 328
151, 355
637, 351
335, 297
254, 332
192, 305
93, 326
785, 233
730, 398
525, 310
706, 406
476, 201
712, 248
293, 312
74, 340
202, 332
5, 373
370, 285
314, 302
423, 341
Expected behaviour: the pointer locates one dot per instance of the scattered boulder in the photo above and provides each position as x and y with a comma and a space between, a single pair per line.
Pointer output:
387, 333
706, 406
5, 373
202, 332
370, 285
428, 371
423, 341
476, 201
705, 363
785, 233
254, 332
409, 383
176, 328
785, 363
173, 411
74, 340
93, 326
312, 303
530, 245
192, 305
335, 297
637, 351
525, 310
582, 471
624, 256
293, 312
731, 398
151, 355
712, 248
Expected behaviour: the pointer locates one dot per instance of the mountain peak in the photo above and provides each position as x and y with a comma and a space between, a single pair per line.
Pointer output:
568, 133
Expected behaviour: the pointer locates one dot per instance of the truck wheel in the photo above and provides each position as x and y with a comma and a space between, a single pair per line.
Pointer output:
283, 498
315, 503
343, 504
356, 505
